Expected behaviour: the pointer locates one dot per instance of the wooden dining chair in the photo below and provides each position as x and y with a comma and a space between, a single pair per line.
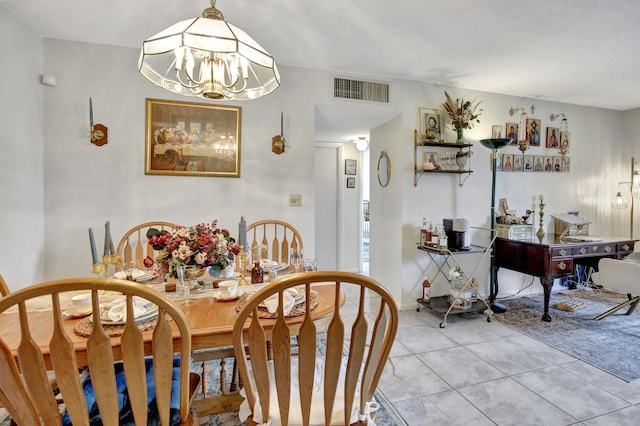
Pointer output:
159, 388
327, 375
134, 246
4, 288
272, 239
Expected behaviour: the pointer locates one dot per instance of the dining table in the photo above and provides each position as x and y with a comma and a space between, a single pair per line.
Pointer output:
210, 321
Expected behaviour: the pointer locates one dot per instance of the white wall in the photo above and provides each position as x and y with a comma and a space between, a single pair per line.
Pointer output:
85, 185
21, 161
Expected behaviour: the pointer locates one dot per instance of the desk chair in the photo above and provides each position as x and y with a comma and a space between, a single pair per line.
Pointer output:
621, 275
272, 239
25, 391
326, 375
134, 247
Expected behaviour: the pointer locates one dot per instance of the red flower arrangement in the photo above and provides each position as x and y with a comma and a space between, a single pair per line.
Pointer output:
203, 245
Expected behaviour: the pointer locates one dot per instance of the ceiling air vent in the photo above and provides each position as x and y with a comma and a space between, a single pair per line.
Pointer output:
361, 90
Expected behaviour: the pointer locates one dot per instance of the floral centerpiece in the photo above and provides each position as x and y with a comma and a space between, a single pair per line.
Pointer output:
463, 114
203, 245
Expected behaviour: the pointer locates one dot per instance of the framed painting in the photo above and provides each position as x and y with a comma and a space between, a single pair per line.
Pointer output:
192, 139
533, 131
507, 162
496, 131
350, 167
351, 182
538, 161
512, 132
431, 124
548, 163
528, 163
552, 137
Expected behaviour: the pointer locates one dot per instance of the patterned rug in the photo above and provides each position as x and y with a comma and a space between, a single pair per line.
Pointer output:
610, 344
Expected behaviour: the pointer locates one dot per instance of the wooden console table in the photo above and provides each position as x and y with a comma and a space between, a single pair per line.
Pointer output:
550, 258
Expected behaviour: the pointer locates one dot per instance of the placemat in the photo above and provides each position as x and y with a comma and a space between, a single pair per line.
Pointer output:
297, 310
85, 326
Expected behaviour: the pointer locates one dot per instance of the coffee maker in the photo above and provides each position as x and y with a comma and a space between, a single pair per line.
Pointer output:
457, 231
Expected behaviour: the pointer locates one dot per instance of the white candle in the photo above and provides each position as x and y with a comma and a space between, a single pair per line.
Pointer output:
92, 241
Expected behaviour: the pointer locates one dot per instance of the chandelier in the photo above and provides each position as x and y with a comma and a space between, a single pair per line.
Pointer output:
208, 58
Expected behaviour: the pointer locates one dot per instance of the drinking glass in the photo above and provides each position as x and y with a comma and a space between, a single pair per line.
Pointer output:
296, 259
310, 265
186, 278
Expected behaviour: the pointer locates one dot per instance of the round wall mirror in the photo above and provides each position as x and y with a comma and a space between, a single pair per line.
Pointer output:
384, 169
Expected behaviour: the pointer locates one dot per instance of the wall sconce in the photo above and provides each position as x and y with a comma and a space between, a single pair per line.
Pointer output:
98, 132
362, 144
619, 202
277, 142
564, 132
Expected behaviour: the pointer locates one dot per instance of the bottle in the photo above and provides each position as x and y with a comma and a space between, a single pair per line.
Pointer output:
426, 291
429, 233
443, 240
423, 232
257, 273
434, 236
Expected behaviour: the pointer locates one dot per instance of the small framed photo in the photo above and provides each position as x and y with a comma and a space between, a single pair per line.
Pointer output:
564, 140
566, 164
548, 163
430, 158
498, 162
507, 162
556, 160
351, 182
533, 131
552, 137
528, 163
538, 163
350, 167
512, 132
517, 163
496, 131
431, 124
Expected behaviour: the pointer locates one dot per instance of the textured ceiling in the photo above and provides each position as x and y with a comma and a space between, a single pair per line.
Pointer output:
582, 52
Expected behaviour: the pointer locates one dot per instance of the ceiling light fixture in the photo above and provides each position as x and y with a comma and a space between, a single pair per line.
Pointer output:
362, 144
208, 58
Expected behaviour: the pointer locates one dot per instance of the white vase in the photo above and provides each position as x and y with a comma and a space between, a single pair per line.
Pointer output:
461, 162
227, 272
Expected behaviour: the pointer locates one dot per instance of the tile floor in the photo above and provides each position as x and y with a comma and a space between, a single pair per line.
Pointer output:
485, 373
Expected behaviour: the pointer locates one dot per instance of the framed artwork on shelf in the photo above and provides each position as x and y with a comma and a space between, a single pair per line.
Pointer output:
192, 139
528, 163
431, 124
351, 182
533, 131
538, 163
430, 161
552, 137
557, 167
548, 165
496, 131
512, 132
350, 167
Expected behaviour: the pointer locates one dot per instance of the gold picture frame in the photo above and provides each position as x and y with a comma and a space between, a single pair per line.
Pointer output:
192, 139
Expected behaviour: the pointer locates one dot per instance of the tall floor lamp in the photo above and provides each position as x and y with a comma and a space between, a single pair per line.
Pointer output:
619, 202
494, 145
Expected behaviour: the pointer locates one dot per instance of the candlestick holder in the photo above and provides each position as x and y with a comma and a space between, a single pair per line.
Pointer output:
541, 232
244, 256
104, 268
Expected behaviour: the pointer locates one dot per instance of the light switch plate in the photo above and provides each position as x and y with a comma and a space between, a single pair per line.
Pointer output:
295, 200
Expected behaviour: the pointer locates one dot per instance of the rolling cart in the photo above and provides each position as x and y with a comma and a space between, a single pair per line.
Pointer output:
445, 258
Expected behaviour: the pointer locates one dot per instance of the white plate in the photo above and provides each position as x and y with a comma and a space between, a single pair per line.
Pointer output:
121, 275
72, 313
146, 277
222, 298
149, 312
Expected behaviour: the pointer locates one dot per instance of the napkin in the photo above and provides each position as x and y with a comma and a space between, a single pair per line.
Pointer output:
118, 312
289, 297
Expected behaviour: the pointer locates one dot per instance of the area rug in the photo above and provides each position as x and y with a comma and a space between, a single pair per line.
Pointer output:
610, 344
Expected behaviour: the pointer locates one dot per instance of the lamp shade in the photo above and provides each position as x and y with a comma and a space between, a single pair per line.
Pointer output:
209, 58
496, 143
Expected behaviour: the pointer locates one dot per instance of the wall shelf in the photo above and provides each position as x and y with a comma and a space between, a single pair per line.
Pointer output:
418, 169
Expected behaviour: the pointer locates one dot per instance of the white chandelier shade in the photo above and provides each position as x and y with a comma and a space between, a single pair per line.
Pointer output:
209, 58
